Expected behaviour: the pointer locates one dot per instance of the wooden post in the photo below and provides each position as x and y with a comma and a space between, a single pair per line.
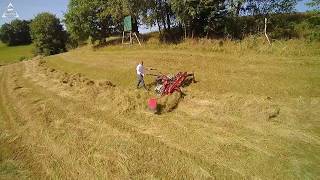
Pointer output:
130, 37
265, 30
185, 30
123, 37
137, 38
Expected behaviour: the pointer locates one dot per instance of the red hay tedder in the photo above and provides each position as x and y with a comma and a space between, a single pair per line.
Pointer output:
166, 85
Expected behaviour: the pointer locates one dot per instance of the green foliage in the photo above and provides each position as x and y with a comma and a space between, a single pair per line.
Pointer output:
280, 26
15, 33
263, 7
234, 6
309, 29
210, 17
158, 12
6, 33
23, 58
86, 19
315, 4
48, 34
98, 19
215, 11
200, 17
77, 20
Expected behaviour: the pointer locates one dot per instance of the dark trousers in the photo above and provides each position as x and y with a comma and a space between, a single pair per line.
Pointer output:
140, 81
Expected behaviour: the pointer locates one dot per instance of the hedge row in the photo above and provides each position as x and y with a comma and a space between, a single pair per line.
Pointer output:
280, 26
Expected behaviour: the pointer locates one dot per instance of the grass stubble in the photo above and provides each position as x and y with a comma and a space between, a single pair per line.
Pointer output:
253, 113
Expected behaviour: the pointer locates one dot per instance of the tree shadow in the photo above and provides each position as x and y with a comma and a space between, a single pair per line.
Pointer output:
171, 36
188, 82
151, 85
113, 41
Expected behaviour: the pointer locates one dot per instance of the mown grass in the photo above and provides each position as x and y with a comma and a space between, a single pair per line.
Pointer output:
251, 66
286, 72
10, 166
253, 113
9, 55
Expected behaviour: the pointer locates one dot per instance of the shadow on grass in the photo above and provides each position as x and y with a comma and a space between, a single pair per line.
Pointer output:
173, 36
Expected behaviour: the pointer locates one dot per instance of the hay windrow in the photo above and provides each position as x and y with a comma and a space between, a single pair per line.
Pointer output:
74, 80
169, 102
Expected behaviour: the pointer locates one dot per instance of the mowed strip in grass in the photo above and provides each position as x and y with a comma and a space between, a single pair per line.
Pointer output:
235, 81
234, 67
13, 54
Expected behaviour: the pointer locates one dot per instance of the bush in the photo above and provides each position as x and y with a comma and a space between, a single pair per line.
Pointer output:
174, 35
48, 34
6, 33
15, 33
309, 29
280, 26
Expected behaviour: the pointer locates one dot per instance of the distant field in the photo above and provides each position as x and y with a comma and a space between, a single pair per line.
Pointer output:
14, 54
254, 113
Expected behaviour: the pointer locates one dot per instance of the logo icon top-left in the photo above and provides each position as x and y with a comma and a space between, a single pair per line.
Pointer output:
10, 12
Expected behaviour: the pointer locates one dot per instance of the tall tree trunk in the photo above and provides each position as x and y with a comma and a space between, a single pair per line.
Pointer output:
185, 30
159, 26
168, 10
164, 23
161, 13
168, 21
238, 8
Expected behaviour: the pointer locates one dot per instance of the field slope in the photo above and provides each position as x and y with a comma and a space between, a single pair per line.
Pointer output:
254, 113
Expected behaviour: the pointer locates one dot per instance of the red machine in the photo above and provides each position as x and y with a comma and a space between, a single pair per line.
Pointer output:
167, 85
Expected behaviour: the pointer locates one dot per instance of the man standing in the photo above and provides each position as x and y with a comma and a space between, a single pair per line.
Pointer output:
140, 75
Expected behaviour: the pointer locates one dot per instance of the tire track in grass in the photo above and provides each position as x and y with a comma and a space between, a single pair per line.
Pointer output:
13, 141
39, 118
38, 128
156, 150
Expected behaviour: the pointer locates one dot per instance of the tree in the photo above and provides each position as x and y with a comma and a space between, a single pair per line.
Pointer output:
98, 19
263, 7
21, 32
201, 17
214, 13
234, 6
135, 8
92, 19
15, 33
6, 33
86, 19
314, 4
48, 34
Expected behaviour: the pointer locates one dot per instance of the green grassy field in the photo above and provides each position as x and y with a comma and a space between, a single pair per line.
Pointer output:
253, 114
14, 54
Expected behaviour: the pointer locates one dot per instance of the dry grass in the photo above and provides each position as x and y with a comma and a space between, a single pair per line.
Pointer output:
253, 113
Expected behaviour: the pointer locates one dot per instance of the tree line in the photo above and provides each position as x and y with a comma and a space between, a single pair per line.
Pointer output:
45, 31
99, 19
96, 20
